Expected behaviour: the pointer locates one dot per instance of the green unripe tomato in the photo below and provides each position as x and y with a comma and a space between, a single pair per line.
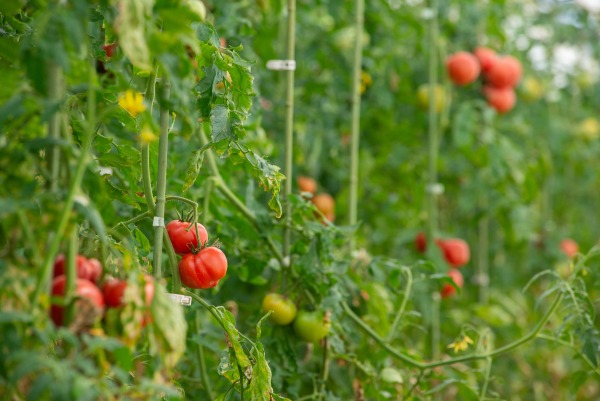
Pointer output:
312, 326
423, 97
284, 310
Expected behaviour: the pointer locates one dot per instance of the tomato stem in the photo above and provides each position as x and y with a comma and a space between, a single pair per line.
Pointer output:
71, 272
55, 92
359, 6
451, 361
201, 359
289, 129
161, 181
400, 313
234, 200
89, 133
146, 178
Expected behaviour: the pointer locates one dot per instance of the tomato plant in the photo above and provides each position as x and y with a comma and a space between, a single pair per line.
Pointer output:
90, 302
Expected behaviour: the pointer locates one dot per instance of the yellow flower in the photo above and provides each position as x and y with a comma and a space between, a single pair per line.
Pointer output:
147, 136
461, 345
133, 102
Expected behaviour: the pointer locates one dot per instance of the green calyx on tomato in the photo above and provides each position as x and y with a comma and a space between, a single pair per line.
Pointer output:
312, 326
284, 310
183, 236
203, 269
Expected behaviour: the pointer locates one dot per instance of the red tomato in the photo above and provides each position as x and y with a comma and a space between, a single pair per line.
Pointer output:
184, 240
421, 242
203, 269
447, 289
486, 58
501, 99
463, 68
109, 49
113, 290
307, 184
569, 247
84, 289
505, 72
89, 269
455, 250
325, 204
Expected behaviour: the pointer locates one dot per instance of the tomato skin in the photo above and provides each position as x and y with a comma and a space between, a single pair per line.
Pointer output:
284, 310
421, 242
447, 289
501, 99
423, 97
109, 49
311, 326
486, 57
325, 204
89, 269
113, 291
505, 72
569, 247
203, 269
455, 250
307, 184
83, 289
182, 238
463, 68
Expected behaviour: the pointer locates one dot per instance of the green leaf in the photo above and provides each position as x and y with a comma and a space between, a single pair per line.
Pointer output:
591, 346
391, 375
89, 211
234, 336
220, 124
260, 386
170, 328
130, 27
194, 165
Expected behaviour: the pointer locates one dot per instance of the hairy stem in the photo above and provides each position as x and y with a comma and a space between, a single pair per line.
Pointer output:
54, 94
289, 128
466, 358
359, 9
161, 183
89, 132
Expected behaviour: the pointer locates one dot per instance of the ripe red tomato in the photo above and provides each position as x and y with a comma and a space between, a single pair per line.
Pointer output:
447, 289
455, 250
463, 68
203, 269
325, 204
569, 247
89, 269
184, 240
486, 58
501, 99
504, 72
421, 242
284, 310
84, 289
109, 49
113, 290
312, 326
307, 184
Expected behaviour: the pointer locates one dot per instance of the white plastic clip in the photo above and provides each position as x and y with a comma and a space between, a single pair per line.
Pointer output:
281, 65
435, 189
158, 221
181, 299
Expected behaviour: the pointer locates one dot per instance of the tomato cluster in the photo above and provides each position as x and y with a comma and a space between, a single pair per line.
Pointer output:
201, 266
309, 326
501, 75
92, 299
456, 253
322, 201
